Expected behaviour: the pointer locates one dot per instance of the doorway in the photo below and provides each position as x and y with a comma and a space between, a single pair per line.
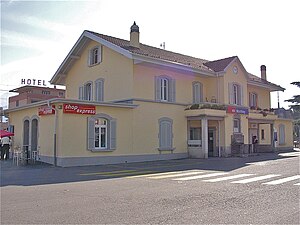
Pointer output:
211, 142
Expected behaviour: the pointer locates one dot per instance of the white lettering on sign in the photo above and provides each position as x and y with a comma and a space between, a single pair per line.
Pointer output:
33, 82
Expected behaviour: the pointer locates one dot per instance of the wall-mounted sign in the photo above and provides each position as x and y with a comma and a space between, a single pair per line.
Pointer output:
33, 82
80, 109
46, 110
237, 110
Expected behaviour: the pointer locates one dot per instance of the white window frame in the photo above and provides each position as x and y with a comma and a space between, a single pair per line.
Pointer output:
165, 89
100, 127
253, 100
111, 133
236, 129
95, 56
88, 91
235, 94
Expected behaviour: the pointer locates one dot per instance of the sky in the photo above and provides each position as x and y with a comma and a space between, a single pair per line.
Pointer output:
36, 36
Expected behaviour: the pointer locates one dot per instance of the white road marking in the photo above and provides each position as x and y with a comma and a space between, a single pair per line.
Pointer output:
229, 178
287, 154
283, 180
175, 175
199, 176
297, 184
249, 180
160, 174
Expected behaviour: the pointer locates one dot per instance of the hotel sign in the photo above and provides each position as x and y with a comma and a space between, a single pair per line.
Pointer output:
237, 110
46, 110
80, 109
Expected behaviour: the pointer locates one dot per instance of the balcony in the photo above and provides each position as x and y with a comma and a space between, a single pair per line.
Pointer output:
210, 109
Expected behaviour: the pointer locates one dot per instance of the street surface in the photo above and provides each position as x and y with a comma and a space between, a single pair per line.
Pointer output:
263, 189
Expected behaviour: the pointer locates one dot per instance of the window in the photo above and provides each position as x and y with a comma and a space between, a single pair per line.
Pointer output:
17, 103
99, 91
101, 132
236, 126
253, 100
195, 133
46, 92
85, 92
95, 56
165, 134
197, 92
60, 94
164, 89
235, 94
281, 134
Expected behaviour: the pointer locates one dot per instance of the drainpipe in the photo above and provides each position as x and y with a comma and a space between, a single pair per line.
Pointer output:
219, 133
54, 135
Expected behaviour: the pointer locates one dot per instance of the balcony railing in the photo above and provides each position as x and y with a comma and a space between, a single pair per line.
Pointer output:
215, 106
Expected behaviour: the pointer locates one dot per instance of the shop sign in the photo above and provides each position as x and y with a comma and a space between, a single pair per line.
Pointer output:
46, 110
80, 109
237, 110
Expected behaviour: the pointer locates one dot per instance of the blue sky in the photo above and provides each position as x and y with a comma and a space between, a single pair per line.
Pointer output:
37, 35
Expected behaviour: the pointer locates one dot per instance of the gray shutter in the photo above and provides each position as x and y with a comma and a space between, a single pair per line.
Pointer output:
241, 95
113, 134
99, 90
230, 93
91, 133
196, 93
201, 92
172, 90
89, 58
165, 135
157, 88
100, 53
80, 93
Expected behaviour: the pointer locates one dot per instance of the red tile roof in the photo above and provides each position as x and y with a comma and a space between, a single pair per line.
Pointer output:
219, 65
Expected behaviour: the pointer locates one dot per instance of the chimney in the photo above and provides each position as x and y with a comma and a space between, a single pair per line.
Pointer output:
134, 36
263, 72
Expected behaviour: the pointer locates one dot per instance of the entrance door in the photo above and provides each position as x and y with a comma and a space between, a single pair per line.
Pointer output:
211, 142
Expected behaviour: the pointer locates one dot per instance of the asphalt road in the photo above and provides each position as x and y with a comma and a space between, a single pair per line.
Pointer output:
254, 190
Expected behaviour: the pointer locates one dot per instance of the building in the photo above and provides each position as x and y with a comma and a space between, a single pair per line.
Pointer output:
129, 102
29, 94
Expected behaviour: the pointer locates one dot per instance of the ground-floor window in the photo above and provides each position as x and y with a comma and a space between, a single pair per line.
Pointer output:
165, 133
195, 133
101, 132
236, 126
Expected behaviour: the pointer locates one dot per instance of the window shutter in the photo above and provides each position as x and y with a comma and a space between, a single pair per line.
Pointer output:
241, 95
80, 93
197, 89
91, 133
230, 93
113, 134
165, 135
99, 92
157, 88
89, 58
100, 53
172, 90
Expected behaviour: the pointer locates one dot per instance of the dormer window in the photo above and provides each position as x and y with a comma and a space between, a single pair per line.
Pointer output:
95, 56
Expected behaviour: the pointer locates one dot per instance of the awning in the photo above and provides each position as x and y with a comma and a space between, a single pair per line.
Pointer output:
4, 133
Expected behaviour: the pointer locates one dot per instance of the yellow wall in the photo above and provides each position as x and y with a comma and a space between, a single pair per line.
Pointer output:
263, 96
115, 69
288, 132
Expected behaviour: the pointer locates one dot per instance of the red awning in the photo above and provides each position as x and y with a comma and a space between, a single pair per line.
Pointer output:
4, 133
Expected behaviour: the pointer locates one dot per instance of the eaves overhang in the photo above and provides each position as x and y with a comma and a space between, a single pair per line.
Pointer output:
269, 86
175, 65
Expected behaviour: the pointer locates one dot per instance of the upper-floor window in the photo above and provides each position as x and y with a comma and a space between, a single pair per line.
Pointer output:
85, 91
235, 94
46, 92
253, 100
164, 89
95, 55
99, 90
197, 92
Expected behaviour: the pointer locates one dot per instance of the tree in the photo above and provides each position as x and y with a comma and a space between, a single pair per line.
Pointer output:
296, 112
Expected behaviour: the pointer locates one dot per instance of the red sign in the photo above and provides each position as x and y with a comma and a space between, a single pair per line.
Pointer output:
237, 110
80, 109
46, 110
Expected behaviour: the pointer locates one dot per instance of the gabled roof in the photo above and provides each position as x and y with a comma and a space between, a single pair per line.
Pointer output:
151, 54
219, 65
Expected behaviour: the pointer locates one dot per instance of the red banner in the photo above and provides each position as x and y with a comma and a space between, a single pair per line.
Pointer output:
80, 109
46, 110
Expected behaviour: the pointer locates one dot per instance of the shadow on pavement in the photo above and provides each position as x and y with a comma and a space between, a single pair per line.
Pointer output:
42, 174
